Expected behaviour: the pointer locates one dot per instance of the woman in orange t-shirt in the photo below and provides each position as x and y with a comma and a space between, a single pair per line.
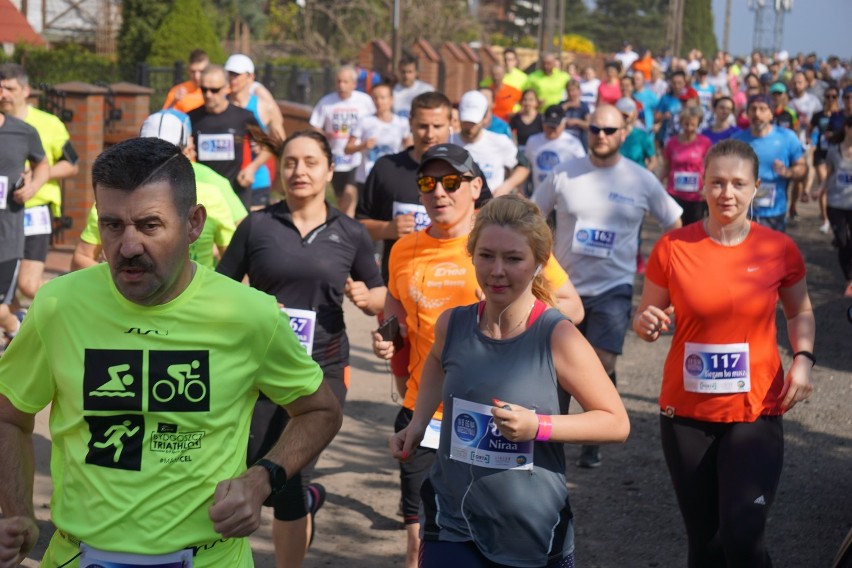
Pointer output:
724, 390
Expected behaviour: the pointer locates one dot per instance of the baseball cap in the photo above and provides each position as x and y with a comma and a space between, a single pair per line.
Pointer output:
456, 156
778, 87
688, 93
239, 63
169, 125
760, 98
553, 115
847, 90
783, 55
625, 105
473, 107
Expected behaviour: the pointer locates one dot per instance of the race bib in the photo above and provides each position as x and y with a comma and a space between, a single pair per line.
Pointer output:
215, 147
37, 221
592, 241
4, 191
432, 437
475, 439
843, 178
303, 323
421, 218
716, 368
765, 196
94, 558
686, 181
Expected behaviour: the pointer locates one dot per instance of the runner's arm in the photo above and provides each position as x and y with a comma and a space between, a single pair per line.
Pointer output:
17, 467
568, 302
516, 179
85, 255
315, 419
801, 329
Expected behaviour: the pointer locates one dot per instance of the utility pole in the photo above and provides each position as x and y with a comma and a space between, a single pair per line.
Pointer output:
726, 35
396, 47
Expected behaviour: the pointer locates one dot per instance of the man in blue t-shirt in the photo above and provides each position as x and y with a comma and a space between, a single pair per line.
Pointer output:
781, 159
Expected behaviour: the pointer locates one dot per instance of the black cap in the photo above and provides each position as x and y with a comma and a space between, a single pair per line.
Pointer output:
553, 115
459, 158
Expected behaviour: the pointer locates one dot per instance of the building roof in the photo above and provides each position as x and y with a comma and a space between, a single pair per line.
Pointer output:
14, 27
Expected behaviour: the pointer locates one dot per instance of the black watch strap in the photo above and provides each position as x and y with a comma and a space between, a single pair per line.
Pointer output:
807, 355
277, 478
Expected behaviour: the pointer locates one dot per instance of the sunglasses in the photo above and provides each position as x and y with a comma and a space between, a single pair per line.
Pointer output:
608, 130
450, 182
214, 90
830, 96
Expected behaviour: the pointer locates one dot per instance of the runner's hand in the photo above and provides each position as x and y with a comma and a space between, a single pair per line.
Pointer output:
245, 178
652, 322
382, 349
357, 292
237, 504
403, 443
797, 383
18, 535
516, 423
401, 225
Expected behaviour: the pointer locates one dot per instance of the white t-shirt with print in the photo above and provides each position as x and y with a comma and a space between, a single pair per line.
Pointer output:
544, 155
599, 213
402, 97
493, 153
338, 119
389, 138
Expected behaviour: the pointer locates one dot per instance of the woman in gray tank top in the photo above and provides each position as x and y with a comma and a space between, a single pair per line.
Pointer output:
504, 370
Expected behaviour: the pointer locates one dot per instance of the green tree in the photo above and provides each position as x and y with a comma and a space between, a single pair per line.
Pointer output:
171, 42
698, 28
140, 18
641, 22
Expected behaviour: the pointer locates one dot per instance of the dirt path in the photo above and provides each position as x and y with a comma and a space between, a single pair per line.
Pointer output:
625, 511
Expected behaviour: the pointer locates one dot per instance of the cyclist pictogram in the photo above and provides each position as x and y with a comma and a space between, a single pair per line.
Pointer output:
189, 384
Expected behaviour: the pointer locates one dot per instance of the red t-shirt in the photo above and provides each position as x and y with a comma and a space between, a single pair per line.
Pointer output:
686, 167
724, 295
609, 94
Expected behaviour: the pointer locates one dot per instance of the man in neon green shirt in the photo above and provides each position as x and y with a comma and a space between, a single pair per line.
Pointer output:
224, 208
62, 159
548, 82
151, 393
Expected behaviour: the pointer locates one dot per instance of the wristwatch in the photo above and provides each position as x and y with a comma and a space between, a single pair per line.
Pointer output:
277, 478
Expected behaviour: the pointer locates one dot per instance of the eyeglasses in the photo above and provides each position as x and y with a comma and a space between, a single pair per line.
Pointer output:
846, 97
450, 182
214, 90
832, 97
608, 130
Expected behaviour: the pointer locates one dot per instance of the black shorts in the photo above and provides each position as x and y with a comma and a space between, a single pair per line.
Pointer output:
260, 197
819, 156
412, 472
36, 247
267, 424
9, 280
340, 180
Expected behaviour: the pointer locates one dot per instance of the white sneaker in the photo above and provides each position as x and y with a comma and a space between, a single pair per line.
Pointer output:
825, 228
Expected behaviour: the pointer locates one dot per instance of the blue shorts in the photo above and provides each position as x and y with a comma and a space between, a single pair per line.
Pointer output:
776, 222
607, 318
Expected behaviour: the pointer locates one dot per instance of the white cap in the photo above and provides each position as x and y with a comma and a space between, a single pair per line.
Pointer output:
169, 125
473, 107
625, 105
783, 55
239, 63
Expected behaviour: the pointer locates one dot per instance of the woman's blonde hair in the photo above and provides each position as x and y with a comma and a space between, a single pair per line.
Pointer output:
521, 215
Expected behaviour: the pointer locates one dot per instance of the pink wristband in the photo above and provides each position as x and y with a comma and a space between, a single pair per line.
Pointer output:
545, 427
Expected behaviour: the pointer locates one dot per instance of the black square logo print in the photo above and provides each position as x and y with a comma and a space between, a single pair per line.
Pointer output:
116, 441
112, 380
178, 381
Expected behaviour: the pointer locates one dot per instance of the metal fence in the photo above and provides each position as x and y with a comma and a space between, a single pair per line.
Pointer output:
305, 86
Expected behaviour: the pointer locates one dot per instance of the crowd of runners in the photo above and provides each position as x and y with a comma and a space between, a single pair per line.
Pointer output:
495, 240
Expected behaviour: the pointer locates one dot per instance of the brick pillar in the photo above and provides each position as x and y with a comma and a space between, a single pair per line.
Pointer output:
134, 103
87, 135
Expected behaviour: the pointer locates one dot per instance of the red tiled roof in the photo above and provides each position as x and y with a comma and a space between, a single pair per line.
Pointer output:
14, 27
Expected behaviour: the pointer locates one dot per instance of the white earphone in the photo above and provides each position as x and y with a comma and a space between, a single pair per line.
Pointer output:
537, 270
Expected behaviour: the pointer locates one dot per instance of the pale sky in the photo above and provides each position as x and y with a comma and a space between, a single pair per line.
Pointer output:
821, 26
